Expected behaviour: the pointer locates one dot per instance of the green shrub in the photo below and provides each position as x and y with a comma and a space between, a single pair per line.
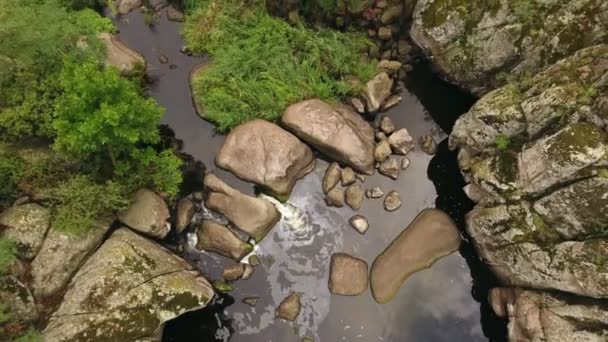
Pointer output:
79, 202
11, 169
31, 335
7, 256
152, 170
88, 19
261, 64
101, 112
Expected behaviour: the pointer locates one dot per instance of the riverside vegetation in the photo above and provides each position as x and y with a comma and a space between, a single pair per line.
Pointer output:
101, 129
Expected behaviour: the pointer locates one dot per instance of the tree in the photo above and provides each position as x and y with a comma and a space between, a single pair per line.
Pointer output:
101, 112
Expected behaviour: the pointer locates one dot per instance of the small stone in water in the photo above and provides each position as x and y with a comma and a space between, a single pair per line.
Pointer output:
163, 59
390, 168
347, 275
375, 192
335, 198
332, 177
354, 196
401, 142
251, 301
428, 145
254, 260
386, 125
360, 177
391, 102
405, 163
348, 176
358, 105
233, 272
247, 272
392, 201
360, 223
289, 309
223, 286
382, 151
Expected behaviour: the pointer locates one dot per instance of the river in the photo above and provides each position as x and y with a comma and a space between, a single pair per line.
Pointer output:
437, 304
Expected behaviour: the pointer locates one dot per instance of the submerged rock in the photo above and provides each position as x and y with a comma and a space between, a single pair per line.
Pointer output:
213, 237
391, 102
392, 201
148, 214
118, 55
126, 291
61, 255
405, 163
254, 260
254, 216
185, 211
360, 223
264, 153
354, 196
174, 14
25, 225
348, 176
347, 275
539, 316
335, 197
332, 176
377, 90
390, 168
251, 301
401, 142
289, 309
338, 132
431, 236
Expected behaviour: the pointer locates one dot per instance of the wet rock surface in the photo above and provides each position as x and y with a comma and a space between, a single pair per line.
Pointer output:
338, 132
390, 168
347, 275
382, 151
431, 236
348, 176
126, 291
401, 142
254, 216
359, 223
148, 214
335, 197
185, 211
263, 153
428, 145
213, 237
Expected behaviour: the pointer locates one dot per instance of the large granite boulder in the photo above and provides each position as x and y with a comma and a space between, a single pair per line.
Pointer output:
148, 214
61, 255
538, 150
26, 225
126, 291
262, 152
118, 55
540, 316
336, 131
17, 300
480, 44
254, 216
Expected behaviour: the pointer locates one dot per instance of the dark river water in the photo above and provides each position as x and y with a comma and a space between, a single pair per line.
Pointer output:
438, 304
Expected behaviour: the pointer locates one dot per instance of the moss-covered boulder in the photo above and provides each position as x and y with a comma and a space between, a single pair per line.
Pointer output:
61, 255
540, 316
26, 225
126, 291
480, 44
539, 151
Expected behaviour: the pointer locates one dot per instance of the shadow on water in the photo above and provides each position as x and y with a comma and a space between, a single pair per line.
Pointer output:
209, 324
445, 103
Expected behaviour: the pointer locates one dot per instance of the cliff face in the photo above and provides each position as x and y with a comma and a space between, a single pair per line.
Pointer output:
483, 44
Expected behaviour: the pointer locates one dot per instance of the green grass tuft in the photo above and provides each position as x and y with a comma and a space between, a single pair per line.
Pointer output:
261, 64
502, 142
7, 258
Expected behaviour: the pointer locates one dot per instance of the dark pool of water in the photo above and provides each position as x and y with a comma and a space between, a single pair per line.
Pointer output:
433, 305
